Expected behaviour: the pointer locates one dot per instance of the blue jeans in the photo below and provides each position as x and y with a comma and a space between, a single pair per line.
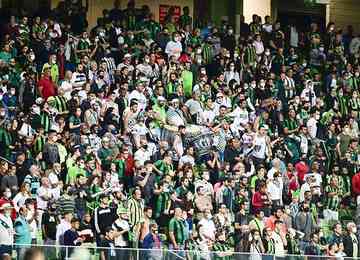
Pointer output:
5, 249
178, 254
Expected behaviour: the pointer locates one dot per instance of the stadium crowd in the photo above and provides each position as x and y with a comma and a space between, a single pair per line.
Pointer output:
135, 134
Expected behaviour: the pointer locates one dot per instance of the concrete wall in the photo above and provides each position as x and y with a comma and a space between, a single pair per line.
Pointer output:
96, 7
219, 9
259, 7
345, 12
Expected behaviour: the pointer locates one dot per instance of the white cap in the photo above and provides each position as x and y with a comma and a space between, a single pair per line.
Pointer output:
161, 98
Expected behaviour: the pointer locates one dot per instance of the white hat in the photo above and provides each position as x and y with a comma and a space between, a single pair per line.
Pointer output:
127, 55
161, 98
39, 100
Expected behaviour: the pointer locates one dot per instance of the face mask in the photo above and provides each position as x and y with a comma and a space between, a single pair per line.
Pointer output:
82, 166
121, 40
36, 110
145, 146
2, 114
7, 194
7, 214
32, 57
199, 61
357, 74
208, 217
354, 230
230, 31
253, 85
321, 49
131, 37
101, 34
198, 51
262, 84
304, 64
147, 60
317, 117
232, 68
341, 94
267, 53
236, 55
12, 92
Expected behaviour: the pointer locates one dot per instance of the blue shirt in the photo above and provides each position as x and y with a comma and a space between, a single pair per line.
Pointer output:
22, 229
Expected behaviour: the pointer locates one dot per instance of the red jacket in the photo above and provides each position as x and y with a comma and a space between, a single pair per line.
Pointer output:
129, 166
13, 212
356, 183
257, 201
47, 87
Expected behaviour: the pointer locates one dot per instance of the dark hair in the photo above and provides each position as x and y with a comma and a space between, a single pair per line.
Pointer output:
32, 253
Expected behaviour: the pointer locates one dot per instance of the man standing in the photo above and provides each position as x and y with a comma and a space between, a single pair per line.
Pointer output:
46, 86
351, 242
22, 230
6, 229
121, 228
104, 217
108, 242
136, 213
71, 236
177, 231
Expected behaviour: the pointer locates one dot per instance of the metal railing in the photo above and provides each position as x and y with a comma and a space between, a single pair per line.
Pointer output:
90, 252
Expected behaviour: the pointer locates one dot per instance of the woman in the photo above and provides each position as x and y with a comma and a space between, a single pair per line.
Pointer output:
231, 73
256, 245
22, 196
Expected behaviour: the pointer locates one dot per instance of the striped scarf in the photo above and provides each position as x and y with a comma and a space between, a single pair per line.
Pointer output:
343, 106
290, 89
354, 104
136, 211
208, 53
250, 55
333, 202
45, 121
61, 104
39, 144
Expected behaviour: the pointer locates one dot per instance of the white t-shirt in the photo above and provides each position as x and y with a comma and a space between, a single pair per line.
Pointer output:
193, 106
67, 87
207, 116
121, 225
312, 127
187, 159
207, 228
142, 100
42, 191
142, 155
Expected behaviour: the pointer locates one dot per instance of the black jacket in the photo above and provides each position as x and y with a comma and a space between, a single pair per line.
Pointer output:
348, 246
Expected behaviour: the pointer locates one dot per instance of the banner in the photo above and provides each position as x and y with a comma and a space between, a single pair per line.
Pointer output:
163, 10
202, 142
